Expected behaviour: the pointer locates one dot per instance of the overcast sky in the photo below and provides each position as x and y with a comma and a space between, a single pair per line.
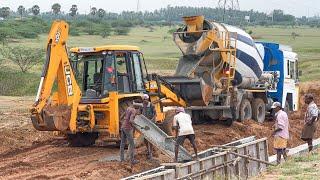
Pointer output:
294, 7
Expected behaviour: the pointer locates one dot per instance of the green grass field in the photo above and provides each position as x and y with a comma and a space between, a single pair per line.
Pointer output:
162, 55
301, 167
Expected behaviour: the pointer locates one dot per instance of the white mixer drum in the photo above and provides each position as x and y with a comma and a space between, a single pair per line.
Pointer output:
249, 63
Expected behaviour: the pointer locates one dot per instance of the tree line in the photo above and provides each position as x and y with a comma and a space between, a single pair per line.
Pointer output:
169, 15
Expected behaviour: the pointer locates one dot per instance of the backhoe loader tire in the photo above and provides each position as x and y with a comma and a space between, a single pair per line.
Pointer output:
82, 139
258, 110
245, 110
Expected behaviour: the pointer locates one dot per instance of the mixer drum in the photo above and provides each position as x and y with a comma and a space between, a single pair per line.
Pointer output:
249, 63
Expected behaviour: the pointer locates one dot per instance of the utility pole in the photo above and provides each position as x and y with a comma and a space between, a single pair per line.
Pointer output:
230, 4
138, 5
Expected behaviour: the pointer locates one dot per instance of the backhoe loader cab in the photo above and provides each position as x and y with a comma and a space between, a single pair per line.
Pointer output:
107, 69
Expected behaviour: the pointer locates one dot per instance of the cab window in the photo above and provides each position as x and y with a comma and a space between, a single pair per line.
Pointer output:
138, 71
291, 72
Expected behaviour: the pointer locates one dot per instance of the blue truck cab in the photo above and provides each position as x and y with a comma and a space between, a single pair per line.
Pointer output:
284, 61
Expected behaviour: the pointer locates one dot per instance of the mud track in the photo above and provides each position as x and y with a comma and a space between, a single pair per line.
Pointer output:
29, 154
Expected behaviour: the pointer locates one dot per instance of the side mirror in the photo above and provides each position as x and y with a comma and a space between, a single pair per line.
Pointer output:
300, 73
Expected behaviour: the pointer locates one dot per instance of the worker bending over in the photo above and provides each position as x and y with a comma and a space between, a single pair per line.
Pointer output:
310, 120
127, 134
148, 110
183, 127
281, 131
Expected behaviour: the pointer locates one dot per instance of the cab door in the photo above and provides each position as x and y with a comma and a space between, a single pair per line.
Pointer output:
138, 76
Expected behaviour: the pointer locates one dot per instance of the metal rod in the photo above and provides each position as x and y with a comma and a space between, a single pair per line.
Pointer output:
190, 32
223, 146
251, 158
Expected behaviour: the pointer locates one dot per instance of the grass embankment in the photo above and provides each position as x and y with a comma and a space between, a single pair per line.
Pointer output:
161, 54
302, 167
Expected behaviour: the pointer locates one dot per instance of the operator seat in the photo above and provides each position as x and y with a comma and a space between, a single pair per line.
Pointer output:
123, 82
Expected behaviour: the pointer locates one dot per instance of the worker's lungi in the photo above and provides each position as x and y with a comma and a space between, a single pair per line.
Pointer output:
280, 143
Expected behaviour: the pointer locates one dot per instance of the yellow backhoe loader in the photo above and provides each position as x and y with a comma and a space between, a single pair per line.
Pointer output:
92, 88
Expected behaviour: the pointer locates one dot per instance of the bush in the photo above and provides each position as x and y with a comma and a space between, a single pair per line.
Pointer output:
5, 34
24, 84
122, 23
122, 31
172, 30
27, 34
23, 56
74, 32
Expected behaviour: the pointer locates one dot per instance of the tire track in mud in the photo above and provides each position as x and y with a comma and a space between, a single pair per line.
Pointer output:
55, 160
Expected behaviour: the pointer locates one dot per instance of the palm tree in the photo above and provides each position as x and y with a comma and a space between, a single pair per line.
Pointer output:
101, 13
73, 10
93, 11
21, 11
35, 10
4, 12
56, 8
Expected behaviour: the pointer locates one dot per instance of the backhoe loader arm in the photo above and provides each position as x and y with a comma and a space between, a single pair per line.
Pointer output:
59, 110
161, 95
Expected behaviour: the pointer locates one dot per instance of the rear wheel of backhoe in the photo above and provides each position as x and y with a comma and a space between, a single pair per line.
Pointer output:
138, 137
245, 110
82, 139
258, 110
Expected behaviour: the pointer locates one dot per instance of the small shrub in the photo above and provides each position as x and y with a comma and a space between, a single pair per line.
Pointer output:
14, 83
27, 34
171, 31
74, 32
23, 56
122, 31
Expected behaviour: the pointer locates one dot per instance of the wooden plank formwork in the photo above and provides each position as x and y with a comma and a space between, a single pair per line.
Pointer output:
219, 163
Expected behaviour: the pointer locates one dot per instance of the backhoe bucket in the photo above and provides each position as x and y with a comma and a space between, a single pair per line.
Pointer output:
52, 119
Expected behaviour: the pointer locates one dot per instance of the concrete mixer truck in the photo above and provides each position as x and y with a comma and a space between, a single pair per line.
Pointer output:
224, 75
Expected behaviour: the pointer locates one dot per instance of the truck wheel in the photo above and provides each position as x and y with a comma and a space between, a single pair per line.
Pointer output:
197, 117
245, 110
228, 122
258, 110
82, 139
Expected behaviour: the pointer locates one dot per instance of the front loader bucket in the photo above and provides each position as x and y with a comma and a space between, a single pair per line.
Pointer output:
52, 119
196, 92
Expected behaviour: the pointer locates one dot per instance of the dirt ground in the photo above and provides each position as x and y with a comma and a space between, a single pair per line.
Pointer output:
26, 153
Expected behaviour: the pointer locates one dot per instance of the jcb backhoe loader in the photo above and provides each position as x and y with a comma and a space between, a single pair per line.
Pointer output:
93, 88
